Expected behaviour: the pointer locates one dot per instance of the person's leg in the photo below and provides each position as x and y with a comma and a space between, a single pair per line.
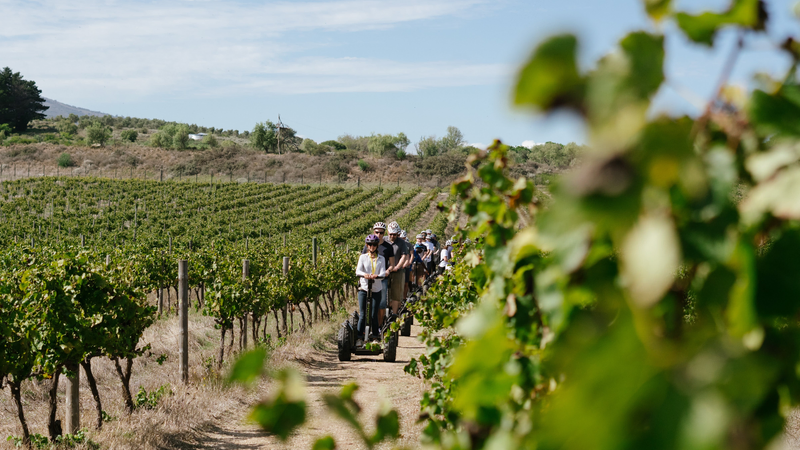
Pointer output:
384, 302
396, 291
362, 313
376, 303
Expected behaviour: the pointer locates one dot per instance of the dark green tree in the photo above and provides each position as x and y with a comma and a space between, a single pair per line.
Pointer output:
20, 100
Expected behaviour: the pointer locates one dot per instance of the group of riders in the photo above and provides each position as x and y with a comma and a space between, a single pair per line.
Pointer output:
395, 265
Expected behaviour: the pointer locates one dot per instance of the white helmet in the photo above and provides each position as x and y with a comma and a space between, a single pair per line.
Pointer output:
448, 243
394, 228
403, 234
421, 236
378, 225
428, 231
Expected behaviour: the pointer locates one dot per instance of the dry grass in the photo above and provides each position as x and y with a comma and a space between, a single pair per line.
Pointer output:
139, 161
179, 417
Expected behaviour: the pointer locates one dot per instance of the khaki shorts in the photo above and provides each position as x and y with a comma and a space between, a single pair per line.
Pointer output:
398, 286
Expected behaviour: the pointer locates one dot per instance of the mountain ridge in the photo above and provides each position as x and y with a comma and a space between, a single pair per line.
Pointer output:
57, 108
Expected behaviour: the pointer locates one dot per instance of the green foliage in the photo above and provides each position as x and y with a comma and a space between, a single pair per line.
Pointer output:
180, 137
149, 400
336, 145
65, 160
265, 137
358, 144
363, 165
211, 141
20, 101
97, 133
448, 164
646, 307
385, 144
67, 128
452, 142
286, 410
312, 148
129, 135
248, 367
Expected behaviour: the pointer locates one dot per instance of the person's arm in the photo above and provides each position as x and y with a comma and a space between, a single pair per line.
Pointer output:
360, 269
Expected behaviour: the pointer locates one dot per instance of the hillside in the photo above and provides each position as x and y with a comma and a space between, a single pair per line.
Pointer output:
57, 108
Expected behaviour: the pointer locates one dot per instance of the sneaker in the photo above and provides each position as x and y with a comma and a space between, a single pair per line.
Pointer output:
360, 343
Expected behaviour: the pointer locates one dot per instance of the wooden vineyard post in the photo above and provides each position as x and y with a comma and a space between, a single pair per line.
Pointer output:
72, 412
183, 301
108, 260
245, 274
359, 182
314, 263
161, 177
286, 306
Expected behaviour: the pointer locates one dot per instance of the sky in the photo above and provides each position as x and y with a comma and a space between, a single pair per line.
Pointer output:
348, 66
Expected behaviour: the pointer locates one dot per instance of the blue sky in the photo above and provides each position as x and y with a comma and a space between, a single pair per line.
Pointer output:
344, 66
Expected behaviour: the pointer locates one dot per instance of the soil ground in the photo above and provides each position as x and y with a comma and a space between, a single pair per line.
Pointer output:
378, 381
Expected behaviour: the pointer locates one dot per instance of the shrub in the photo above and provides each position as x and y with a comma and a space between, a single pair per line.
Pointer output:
210, 141
97, 133
129, 135
363, 165
6, 128
445, 165
159, 139
336, 145
2, 136
400, 154
65, 160
66, 128
144, 130
181, 138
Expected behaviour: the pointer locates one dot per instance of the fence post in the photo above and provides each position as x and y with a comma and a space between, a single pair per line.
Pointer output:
359, 181
183, 300
161, 177
245, 275
314, 262
286, 306
72, 413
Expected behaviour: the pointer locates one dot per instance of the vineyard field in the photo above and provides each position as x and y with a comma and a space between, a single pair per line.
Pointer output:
88, 265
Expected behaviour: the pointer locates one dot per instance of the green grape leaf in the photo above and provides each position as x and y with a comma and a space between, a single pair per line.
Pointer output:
249, 367
650, 256
645, 52
779, 196
550, 79
324, 443
286, 410
279, 416
387, 425
703, 27
778, 288
777, 113
657, 9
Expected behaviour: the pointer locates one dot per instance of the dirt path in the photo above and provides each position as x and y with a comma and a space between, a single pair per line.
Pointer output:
429, 214
378, 381
400, 214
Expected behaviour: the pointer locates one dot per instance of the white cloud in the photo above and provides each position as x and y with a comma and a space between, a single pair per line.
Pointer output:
478, 145
129, 49
528, 144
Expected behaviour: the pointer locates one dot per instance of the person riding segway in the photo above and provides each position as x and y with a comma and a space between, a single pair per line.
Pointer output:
397, 276
386, 250
370, 266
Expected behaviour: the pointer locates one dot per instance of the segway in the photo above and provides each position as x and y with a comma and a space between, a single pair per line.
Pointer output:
346, 338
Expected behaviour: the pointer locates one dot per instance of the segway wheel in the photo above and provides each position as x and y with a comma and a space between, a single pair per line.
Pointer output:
405, 330
343, 341
354, 320
390, 351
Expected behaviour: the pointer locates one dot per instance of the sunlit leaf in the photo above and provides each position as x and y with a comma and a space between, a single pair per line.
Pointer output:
703, 27
550, 79
249, 366
650, 257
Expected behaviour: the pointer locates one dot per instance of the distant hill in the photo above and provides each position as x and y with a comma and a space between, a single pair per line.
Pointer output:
61, 109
